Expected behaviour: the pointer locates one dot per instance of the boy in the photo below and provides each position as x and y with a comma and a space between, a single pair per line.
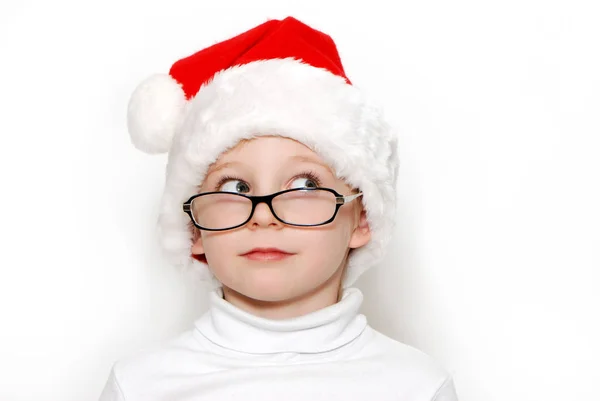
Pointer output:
280, 190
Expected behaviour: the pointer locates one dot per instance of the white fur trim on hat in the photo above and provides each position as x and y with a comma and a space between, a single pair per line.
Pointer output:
288, 98
154, 113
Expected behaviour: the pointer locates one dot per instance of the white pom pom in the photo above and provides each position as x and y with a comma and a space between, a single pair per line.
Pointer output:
154, 112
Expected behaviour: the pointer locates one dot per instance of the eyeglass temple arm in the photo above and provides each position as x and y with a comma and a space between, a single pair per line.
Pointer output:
349, 198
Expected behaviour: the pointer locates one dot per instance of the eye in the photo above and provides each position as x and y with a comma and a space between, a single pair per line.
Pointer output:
307, 180
232, 184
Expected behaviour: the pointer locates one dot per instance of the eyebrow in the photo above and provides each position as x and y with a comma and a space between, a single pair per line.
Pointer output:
312, 160
220, 167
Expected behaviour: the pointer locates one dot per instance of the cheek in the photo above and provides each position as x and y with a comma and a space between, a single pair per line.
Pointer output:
327, 245
217, 248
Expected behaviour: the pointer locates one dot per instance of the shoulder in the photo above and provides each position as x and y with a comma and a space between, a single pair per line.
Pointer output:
147, 369
409, 364
400, 355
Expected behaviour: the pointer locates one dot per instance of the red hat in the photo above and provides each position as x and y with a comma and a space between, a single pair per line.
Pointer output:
280, 78
153, 116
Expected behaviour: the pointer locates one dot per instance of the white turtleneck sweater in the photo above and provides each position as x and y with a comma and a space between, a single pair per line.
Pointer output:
330, 354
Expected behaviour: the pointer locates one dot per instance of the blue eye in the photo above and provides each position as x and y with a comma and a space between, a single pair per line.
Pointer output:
308, 182
232, 184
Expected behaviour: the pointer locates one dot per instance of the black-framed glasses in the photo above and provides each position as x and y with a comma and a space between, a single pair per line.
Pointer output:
304, 207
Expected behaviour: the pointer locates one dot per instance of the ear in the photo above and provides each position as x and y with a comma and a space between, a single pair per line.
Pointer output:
197, 245
362, 232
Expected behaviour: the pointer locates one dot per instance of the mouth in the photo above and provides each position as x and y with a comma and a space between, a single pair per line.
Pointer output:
266, 254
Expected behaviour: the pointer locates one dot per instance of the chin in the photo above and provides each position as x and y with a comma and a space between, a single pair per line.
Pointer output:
267, 283
270, 290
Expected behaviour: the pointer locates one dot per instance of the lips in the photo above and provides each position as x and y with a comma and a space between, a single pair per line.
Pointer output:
265, 254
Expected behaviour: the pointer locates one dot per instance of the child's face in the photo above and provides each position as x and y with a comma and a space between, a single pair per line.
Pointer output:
262, 166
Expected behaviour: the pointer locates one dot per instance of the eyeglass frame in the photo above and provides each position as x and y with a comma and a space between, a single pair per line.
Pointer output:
340, 200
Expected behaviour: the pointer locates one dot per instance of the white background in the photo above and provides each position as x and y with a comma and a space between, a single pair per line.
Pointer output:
495, 265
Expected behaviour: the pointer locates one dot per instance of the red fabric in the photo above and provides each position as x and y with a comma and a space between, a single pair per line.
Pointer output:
272, 39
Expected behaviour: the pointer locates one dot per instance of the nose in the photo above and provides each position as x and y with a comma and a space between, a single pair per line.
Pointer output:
263, 216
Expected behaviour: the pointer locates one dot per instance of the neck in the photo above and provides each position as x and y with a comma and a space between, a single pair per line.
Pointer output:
321, 297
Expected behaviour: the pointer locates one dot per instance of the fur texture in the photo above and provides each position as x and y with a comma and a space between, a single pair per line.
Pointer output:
288, 98
154, 113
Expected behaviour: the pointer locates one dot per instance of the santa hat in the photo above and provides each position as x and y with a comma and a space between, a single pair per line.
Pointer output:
280, 78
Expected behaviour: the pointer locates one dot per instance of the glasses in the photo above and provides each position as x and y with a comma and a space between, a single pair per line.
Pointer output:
304, 207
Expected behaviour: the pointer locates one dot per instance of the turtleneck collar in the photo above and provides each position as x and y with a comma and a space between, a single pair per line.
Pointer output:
324, 330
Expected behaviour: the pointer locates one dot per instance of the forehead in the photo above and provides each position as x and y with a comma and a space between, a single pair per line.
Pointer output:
272, 150
266, 143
